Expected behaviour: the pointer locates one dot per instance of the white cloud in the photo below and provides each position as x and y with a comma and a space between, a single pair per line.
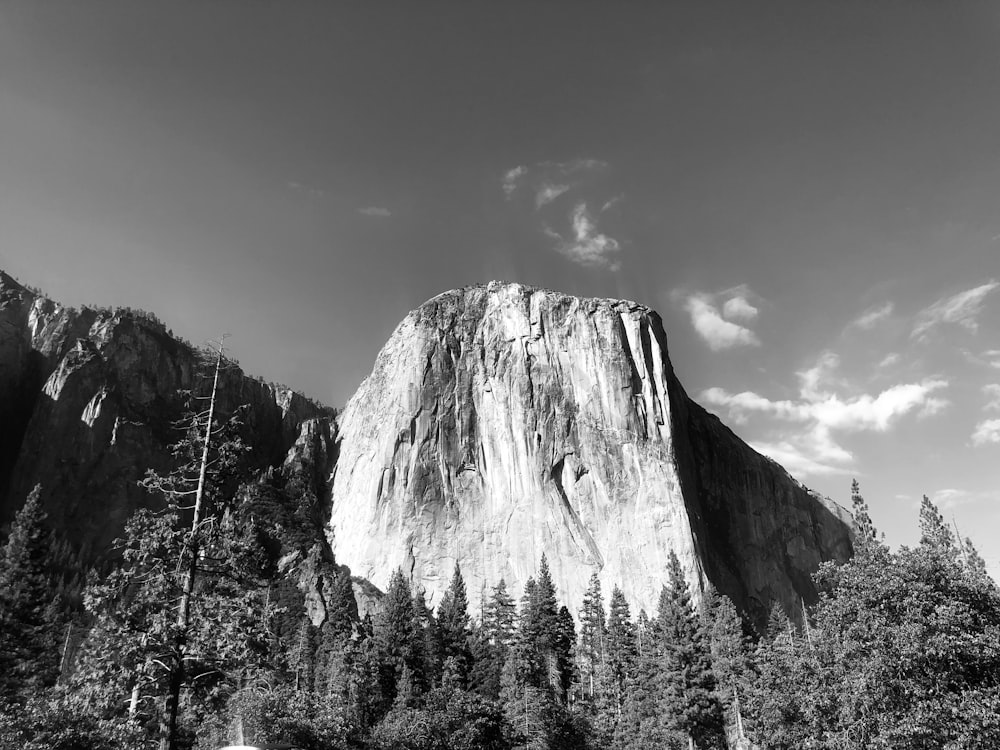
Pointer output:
987, 432
872, 317
587, 246
717, 332
888, 361
992, 392
807, 443
950, 497
547, 193
738, 308
960, 309
804, 460
511, 178
378, 211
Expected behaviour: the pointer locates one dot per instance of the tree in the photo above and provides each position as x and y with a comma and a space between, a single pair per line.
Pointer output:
688, 693
934, 532
865, 535
29, 623
592, 635
398, 638
184, 609
619, 667
453, 626
491, 642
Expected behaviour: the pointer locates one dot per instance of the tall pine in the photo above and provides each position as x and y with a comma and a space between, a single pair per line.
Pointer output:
29, 623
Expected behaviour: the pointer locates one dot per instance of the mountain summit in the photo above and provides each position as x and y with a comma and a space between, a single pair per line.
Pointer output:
503, 422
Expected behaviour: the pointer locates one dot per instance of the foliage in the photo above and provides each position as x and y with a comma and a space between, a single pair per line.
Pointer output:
30, 622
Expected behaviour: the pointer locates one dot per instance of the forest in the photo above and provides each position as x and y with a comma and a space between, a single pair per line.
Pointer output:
194, 634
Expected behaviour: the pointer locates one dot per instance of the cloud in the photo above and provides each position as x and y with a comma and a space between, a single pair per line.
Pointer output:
950, 497
311, 191
806, 440
548, 193
992, 392
587, 246
612, 202
579, 234
888, 361
550, 179
510, 180
872, 317
960, 309
378, 211
717, 327
738, 308
987, 432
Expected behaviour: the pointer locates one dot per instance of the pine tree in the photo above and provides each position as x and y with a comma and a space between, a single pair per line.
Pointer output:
29, 619
934, 532
399, 638
730, 658
491, 642
186, 607
688, 688
592, 636
620, 653
453, 627
865, 535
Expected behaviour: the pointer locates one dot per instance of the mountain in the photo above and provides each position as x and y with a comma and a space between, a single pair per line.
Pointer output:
89, 400
501, 422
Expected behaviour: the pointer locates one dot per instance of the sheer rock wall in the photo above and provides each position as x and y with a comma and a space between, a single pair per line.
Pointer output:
501, 422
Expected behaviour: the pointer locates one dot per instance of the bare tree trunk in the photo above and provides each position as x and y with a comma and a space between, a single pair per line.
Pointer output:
168, 722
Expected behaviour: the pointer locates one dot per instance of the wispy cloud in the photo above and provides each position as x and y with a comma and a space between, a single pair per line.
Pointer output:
717, 327
547, 193
298, 187
872, 317
579, 234
587, 245
992, 393
960, 309
377, 211
987, 432
807, 443
951, 497
511, 178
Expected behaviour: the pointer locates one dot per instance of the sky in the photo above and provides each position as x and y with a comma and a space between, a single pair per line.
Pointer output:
807, 191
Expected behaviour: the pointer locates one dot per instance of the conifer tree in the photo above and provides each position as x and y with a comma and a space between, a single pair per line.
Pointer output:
500, 618
866, 535
688, 694
491, 642
453, 627
399, 638
29, 618
592, 636
730, 658
620, 653
935, 535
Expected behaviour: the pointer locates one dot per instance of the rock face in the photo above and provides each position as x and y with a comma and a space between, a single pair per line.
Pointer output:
502, 422
87, 403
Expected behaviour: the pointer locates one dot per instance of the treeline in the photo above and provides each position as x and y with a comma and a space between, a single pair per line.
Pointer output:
232, 623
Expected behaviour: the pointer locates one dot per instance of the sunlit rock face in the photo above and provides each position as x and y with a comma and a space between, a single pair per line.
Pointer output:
502, 422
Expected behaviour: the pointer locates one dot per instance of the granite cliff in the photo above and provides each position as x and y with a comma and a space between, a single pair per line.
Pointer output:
88, 399
501, 422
